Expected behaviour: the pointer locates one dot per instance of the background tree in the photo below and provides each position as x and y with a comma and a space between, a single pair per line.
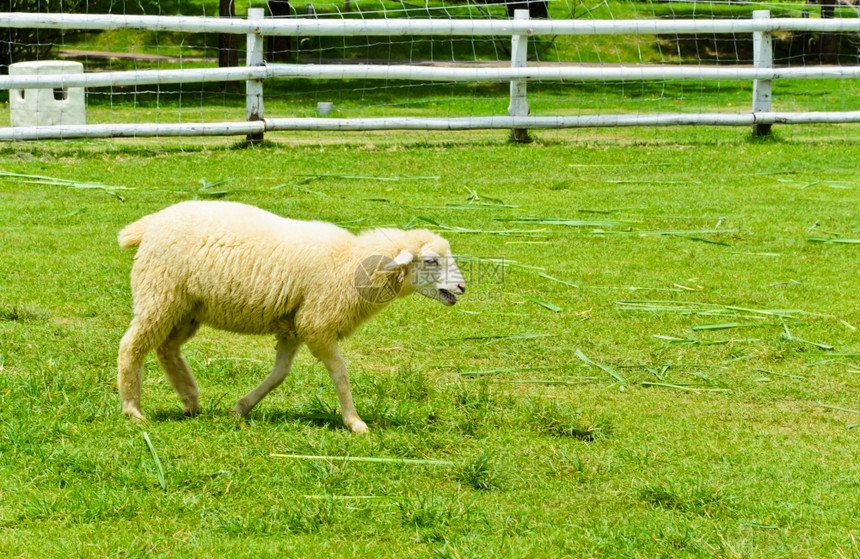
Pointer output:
17, 45
228, 43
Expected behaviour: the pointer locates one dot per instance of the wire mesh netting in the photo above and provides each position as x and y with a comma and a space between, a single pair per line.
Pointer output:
138, 49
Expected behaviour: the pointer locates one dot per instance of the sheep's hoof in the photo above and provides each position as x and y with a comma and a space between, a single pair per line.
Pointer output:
239, 411
358, 426
191, 407
134, 413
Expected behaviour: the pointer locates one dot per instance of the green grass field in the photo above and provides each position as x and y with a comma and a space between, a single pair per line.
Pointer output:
657, 355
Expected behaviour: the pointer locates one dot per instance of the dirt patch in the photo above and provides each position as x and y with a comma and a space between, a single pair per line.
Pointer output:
105, 55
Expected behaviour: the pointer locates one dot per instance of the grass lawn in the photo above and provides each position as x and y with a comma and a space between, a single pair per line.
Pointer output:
658, 354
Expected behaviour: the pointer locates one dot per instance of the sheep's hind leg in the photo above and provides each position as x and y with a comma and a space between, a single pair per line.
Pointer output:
140, 337
130, 374
286, 350
333, 361
176, 368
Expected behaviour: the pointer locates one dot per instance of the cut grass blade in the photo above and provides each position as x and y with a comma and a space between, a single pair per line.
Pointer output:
606, 368
774, 373
501, 262
838, 408
589, 165
683, 387
722, 326
759, 525
546, 305
610, 223
747, 253
548, 382
300, 188
685, 288
482, 372
637, 181
708, 309
501, 232
833, 240
660, 373
693, 235
372, 459
674, 232
783, 283
702, 240
676, 340
351, 497
636, 288
695, 341
737, 359
309, 178
474, 206
51, 181
159, 470
561, 281
506, 337
788, 336
847, 410
821, 346
478, 200
207, 189
616, 287
680, 307
781, 313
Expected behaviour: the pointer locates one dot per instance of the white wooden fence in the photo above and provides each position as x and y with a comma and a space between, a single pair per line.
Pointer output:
256, 71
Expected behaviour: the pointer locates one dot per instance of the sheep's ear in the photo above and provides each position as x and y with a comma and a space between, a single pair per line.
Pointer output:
402, 259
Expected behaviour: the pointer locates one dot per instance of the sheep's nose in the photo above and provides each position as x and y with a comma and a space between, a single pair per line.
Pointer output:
461, 287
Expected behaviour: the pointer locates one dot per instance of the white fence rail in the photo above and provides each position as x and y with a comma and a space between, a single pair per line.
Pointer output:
424, 73
312, 27
520, 29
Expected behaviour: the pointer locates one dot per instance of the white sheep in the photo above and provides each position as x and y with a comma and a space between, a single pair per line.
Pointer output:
239, 268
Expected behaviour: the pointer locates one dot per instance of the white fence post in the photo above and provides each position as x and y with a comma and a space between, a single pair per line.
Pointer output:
519, 105
254, 88
762, 58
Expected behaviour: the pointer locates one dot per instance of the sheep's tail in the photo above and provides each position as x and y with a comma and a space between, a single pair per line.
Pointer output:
132, 234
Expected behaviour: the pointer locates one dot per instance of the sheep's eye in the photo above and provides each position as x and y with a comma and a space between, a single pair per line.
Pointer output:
431, 262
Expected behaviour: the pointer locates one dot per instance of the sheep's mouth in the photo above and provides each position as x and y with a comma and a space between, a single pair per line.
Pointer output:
447, 298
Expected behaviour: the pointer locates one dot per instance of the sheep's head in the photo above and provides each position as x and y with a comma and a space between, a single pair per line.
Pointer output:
430, 270
416, 261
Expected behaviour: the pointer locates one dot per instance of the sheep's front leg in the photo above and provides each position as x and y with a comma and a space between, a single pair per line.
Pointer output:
286, 350
332, 359
175, 366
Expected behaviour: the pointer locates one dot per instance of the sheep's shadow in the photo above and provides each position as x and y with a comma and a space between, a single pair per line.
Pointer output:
319, 418
169, 414
331, 421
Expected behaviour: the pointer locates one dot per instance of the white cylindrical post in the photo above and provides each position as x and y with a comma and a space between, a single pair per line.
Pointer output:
254, 88
519, 105
762, 58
